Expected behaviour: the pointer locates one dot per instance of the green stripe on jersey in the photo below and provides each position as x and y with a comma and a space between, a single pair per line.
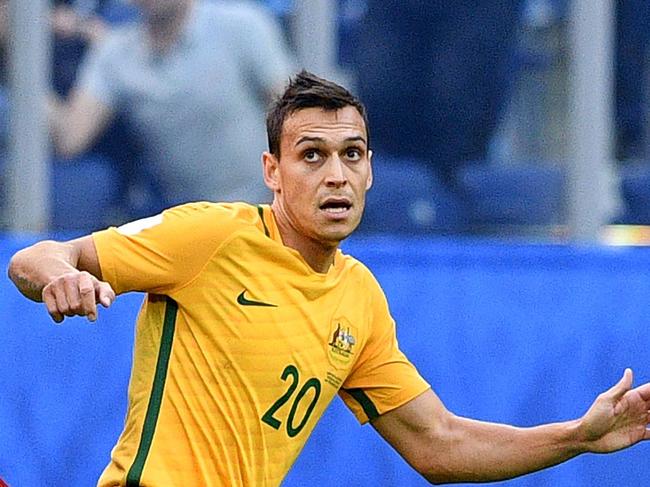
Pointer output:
153, 409
365, 402
260, 210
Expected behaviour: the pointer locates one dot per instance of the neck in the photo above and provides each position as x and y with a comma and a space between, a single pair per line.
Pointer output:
165, 29
319, 256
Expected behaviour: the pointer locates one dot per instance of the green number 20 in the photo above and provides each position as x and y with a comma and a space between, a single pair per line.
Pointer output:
313, 383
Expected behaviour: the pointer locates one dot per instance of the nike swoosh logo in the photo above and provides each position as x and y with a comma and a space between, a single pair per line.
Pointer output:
241, 299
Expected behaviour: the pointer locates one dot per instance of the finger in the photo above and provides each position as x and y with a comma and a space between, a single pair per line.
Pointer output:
72, 295
61, 300
50, 304
105, 294
622, 386
88, 306
644, 392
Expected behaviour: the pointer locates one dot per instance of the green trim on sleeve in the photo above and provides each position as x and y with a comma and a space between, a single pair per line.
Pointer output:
365, 402
153, 409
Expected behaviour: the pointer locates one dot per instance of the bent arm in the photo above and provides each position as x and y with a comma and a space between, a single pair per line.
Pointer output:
446, 448
76, 123
33, 268
66, 276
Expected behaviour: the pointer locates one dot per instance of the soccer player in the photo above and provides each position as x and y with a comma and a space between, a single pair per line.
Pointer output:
254, 320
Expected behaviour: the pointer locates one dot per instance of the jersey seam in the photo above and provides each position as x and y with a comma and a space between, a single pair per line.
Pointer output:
104, 266
180, 287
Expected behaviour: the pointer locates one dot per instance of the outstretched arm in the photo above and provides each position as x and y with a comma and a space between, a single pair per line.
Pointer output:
446, 448
66, 276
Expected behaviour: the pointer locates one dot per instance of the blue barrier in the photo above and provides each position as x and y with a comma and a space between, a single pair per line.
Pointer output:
514, 333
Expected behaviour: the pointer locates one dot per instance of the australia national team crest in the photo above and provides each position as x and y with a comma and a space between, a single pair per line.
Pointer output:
342, 342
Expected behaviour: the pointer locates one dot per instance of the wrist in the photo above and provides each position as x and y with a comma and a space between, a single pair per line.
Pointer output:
578, 440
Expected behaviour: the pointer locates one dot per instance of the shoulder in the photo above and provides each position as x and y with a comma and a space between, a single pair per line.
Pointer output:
214, 214
195, 222
361, 274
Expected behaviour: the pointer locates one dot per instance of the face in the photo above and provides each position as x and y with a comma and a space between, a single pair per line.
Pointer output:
161, 9
321, 179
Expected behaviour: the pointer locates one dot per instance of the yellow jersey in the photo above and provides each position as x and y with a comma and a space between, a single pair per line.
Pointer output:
240, 346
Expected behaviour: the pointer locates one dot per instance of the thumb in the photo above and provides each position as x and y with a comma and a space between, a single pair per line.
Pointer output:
105, 294
623, 385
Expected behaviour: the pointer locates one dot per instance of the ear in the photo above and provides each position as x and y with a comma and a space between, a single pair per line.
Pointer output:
369, 180
271, 170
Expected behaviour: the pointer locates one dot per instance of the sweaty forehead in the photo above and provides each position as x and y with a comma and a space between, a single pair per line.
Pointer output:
326, 124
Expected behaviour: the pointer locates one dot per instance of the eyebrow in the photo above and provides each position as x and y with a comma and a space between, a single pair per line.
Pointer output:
356, 138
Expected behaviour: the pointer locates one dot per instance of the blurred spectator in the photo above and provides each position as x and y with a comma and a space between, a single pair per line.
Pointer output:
434, 75
77, 25
192, 77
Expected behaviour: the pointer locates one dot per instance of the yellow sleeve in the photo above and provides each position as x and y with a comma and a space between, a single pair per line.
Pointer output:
164, 252
382, 378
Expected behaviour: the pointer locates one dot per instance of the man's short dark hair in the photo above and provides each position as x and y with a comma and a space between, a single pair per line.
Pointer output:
306, 90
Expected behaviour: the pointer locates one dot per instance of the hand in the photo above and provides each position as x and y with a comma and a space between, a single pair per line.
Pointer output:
66, 23
76, 293
618, 418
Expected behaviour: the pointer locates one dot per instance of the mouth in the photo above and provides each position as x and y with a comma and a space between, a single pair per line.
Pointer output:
336, 207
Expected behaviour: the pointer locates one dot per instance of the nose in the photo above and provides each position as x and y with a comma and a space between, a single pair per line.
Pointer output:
335, 176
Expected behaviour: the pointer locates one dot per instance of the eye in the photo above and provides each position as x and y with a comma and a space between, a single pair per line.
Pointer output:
353, 154
311, 155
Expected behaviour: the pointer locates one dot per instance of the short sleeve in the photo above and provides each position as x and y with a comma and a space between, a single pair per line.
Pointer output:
267, 56
164, 252
382, 378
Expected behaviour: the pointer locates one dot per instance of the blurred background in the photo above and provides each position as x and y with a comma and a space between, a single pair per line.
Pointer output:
521, 117
512, 196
